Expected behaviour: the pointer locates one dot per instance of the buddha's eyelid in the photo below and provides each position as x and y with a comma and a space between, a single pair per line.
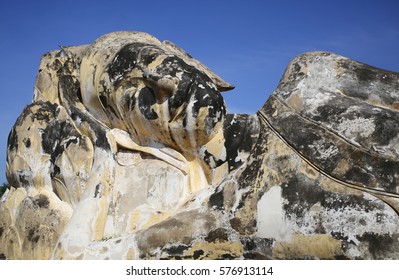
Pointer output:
150, 75
145, 48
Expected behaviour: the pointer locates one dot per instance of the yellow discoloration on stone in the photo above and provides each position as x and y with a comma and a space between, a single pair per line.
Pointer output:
342, 167
310, 172
99, 222
131, 254
333, 186
15, 197
323, 246
214, 145
31, 232
197, 176
219, 174
295, 101
134, 219
156, 218
157, 62
216, 250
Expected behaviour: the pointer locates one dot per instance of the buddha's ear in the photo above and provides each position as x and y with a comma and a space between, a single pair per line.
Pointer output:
221, 84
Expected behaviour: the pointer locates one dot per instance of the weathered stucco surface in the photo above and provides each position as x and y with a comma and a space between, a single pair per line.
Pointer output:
127, 152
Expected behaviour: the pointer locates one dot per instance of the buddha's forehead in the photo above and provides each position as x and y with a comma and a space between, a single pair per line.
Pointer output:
149, 61
143, 52
107, 48
138, 55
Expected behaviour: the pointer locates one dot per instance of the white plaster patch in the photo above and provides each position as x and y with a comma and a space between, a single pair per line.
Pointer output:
314, 102
357, 127
324, 152
271, 216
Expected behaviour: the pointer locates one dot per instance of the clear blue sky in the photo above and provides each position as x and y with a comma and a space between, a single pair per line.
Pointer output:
248, 43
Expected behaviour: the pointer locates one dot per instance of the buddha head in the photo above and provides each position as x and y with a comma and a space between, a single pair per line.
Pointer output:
153, 90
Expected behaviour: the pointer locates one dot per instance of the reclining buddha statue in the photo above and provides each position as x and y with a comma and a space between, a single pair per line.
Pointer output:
127, 152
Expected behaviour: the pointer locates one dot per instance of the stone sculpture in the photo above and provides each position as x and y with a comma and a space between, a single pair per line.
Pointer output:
127, 152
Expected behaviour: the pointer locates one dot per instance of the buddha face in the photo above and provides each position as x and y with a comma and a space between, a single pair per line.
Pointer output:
156, 96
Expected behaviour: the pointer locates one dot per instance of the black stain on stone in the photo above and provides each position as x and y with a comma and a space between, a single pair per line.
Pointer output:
301, 194
217, 235
177, 250
128, 103
12, 141
216, 200
256, 256
2, 256
182, 94
380, 245
33, 235
366, 78
97, 192
292, 76
53, 135
1, 231
42, 201
146, 99
256, 247
358, 174
27, 143
42, 111
255, 169
197, 254
99, 130
237, 225
333, 110
341, 257
207, 97
79, 95
384, 170
46, 111
211, 160
24, 180
107, 106
172, 65
238, 131
345, 242
124, 62
365, 74
56, 171
386, 129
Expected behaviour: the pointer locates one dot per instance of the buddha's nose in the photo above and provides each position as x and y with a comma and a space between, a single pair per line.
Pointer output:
164, 87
